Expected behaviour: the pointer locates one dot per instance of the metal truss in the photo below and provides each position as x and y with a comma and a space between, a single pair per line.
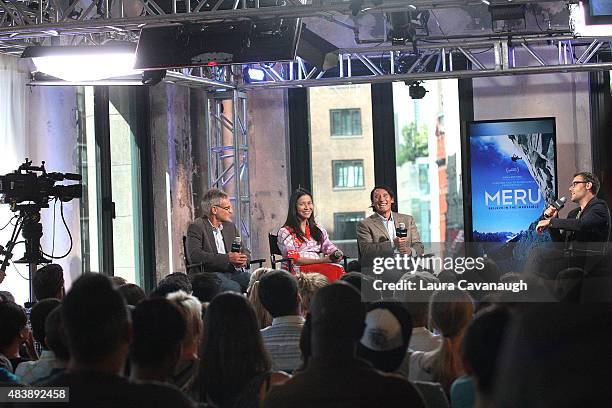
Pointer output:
228, 162
460, 59
41, 19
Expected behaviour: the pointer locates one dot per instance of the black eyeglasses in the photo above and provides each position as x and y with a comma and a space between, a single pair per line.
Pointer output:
577, 182
228, 208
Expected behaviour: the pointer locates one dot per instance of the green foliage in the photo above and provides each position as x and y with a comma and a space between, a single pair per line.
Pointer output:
413, 144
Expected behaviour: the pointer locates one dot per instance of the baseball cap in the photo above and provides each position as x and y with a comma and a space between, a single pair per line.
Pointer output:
386, 336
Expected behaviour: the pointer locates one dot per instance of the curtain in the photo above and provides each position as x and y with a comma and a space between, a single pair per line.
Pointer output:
13, 139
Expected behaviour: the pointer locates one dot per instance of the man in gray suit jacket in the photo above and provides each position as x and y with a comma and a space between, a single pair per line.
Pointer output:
376, 235
209, 243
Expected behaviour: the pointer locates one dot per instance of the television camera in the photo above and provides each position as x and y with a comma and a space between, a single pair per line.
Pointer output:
27, 190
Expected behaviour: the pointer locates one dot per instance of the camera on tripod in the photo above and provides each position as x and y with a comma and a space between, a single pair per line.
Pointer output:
27, 190
24, 185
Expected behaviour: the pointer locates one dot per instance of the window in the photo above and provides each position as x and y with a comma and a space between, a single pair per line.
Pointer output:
329, 197
345, 122
345, 224
125, 186
428, 162
347, 173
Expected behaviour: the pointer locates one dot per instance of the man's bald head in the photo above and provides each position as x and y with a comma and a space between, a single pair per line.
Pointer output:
337, 313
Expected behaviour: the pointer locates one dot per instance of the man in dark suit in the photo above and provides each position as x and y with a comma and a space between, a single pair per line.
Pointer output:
589, 222
585, 231
209, 243
376, 235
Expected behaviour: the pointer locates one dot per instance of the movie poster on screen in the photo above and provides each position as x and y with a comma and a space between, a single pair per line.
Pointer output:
512, 176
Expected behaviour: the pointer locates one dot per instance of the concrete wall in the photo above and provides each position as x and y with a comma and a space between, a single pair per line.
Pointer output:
177, 118
563, 96
268, 165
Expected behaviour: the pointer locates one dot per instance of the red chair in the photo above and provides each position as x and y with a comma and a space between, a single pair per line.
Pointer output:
333, 272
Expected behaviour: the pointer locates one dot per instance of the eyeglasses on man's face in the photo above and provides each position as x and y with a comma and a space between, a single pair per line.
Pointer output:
575, 183
228, 208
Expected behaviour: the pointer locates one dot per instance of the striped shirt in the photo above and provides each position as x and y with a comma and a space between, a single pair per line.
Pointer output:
282, 340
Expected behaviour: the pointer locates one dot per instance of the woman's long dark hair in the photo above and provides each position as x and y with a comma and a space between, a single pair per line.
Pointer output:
232, 351
294, 222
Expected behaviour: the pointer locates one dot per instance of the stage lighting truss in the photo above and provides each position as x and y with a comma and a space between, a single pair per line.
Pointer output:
43, 19
87, 22
460, 59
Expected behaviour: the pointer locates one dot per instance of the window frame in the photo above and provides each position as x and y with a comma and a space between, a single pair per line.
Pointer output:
344, 135
355, 187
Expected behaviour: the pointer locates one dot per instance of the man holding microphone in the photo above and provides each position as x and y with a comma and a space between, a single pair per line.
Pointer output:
588, 223
585, 231
386, 233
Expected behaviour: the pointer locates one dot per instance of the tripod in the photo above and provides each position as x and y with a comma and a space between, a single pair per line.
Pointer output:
28, 224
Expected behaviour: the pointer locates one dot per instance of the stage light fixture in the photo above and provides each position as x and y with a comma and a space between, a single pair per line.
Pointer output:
153, 77
507, 17
253, 75
84, 63
415, 90
406, 26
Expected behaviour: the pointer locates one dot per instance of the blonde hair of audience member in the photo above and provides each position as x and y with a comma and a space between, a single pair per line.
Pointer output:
308, 285
451, 313
191, 308
264, 319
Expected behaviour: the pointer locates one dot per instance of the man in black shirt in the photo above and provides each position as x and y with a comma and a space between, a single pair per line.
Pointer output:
583, 234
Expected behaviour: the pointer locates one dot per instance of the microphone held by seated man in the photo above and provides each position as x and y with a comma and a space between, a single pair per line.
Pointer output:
211, 242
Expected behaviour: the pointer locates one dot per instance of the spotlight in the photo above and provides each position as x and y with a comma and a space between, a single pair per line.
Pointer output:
507, 17
252, 74
153, 77
84, 63
406, 26
415, 90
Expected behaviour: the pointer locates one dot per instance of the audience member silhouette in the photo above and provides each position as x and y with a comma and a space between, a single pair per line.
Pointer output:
481, 350
235, 368
386, 336
132, 293
32, 371
99, 331
278, 293
308, 285
451, 312
205, 286
334, 376
13, 332
264, 319
48, 282
159, 329
55, 338
186, 369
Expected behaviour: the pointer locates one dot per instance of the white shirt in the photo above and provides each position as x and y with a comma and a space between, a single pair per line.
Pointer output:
218, 238
390, 227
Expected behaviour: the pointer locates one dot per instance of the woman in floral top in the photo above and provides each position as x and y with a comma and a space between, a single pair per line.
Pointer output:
301, 238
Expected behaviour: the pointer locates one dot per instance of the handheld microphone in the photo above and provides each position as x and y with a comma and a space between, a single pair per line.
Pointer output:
237, 244
559, 204
401, 231
336, 255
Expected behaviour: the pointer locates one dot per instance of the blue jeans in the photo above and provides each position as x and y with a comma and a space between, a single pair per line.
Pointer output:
234, 282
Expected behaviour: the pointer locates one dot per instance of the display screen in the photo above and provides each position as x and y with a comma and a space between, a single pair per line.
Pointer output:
598, 12
512, 176
600, 7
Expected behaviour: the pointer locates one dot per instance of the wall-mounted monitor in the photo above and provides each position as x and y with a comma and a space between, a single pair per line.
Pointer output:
597, 11
512, 175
